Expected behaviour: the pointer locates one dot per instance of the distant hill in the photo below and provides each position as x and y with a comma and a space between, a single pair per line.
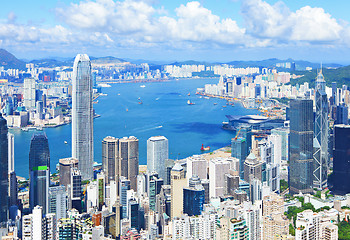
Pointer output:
108, 59
51, 63
8, 60
340, 75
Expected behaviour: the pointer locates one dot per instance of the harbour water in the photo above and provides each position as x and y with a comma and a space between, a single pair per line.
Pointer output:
164, 111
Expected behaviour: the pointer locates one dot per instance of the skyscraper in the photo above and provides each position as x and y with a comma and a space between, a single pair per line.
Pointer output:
82, 116
301, 146
129, 159
193, 197
110, 158
321, 133
29, 93
341, 159
157, 155
4, 181
39, 172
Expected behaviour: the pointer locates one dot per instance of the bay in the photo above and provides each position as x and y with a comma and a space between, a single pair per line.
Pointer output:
164, 111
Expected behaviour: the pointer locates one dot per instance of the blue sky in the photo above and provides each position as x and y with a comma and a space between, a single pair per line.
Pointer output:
223, 30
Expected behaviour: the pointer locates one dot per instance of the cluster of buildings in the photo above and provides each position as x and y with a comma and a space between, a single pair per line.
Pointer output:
231, 193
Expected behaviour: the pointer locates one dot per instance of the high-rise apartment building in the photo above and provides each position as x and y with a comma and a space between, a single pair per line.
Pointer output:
82, 116
301, 146
58, 201
129, 159
157, 155
4, 180
110, 158
29, 93
321, 133
39, 172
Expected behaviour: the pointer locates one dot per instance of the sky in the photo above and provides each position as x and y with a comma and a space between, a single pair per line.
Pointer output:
168, 30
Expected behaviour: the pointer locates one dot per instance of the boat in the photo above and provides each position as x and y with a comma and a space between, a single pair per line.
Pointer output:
139, 98
142, 86
215, 103
223, 106
118, 94
104, 85
157, 98
189, 94
103, 94
140, 102
190, 103
39, 128
65, 142
127, 110
205, 148
206, 97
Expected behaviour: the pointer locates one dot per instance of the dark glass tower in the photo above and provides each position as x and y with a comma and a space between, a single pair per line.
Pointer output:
238, 150
341, 160
4, 180
301, 146
342, 114
39, 171
193, 197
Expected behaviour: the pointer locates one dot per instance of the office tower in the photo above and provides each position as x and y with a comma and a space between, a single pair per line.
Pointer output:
321, 133
39, 172
129, 159
65, 167
168, 166
178, 182
11, 152
301, 146
110, 158
252, 168
58, 201
334, 94
231, 183
245, 131
75, 190
39, 109
342, 114
124, 186
82, 116
157, 155
193, 197
341, 159
29, 93
13, 189
284, 133
205, 184
197, 165
4, 181
238, 150
217, 170
133, 214
154, 186
101, 189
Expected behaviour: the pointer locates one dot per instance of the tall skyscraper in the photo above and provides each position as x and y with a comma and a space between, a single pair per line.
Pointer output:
178, 182
129, 159
341, 160
66, 166
11, 152
82, 116
29, 93
301, 146
321, 133
193, 197
39, 172
342, 114
4, 180
157, 155
110, 158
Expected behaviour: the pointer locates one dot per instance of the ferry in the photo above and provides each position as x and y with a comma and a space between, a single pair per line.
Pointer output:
142, 86
215, 103
190, 103
205, 148
189, 94
65, 142
140, 102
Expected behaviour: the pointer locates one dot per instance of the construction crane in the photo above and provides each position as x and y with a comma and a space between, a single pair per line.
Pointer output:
237, 133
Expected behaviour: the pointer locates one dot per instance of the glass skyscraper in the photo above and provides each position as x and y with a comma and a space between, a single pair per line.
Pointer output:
341, 160
4, 181
157, 155
239, 150
39, 172
321, 134
82, 116
301, 146
193, 197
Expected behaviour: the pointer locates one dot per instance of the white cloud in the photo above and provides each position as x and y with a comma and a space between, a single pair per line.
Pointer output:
138, 24
277, 22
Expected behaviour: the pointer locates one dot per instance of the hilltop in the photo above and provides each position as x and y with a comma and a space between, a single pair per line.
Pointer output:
8, 60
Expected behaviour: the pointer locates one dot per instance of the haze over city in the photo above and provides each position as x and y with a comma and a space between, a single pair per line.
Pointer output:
221, 31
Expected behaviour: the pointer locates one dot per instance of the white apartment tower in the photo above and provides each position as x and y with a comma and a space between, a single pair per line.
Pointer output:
82, 116
29, 93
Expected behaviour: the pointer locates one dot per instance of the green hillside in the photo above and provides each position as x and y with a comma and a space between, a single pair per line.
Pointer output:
340, 75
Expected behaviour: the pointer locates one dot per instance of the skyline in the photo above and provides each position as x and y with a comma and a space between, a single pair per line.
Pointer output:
178, 30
